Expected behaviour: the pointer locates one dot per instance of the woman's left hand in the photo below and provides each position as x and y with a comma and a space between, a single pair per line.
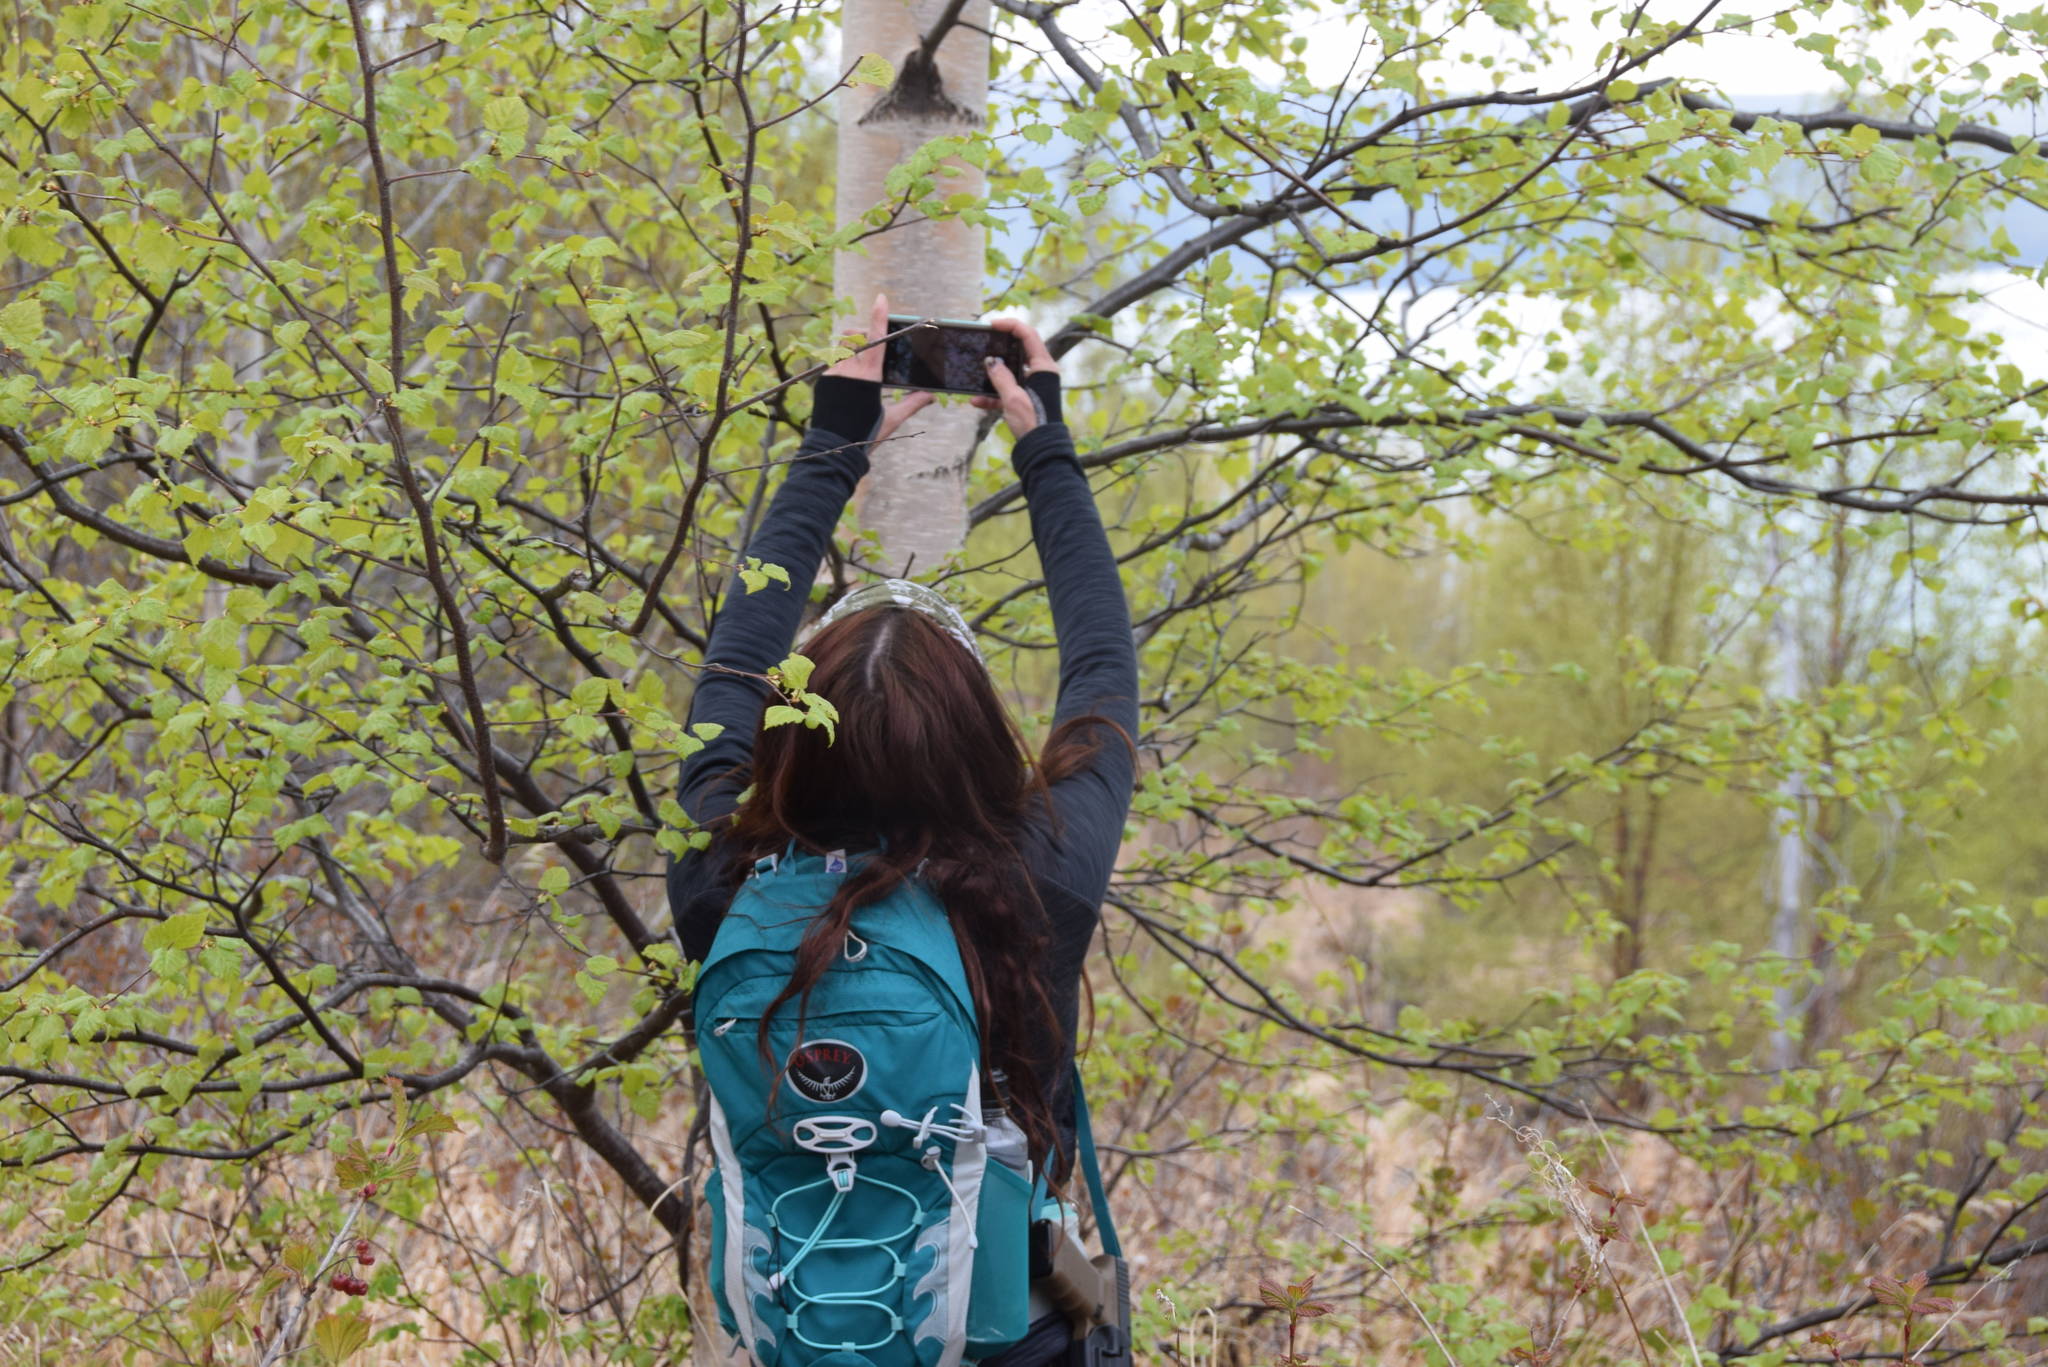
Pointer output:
866, 364
1034, 401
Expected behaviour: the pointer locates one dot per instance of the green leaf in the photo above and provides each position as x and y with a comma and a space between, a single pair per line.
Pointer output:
88, 1025
178, 1083
555, 881
756, 575
432, 1122
506, 118
21, 323
159, 251
302, 1258
35, 245
222, 958
291, 833
212, 1307
1881, 166
355, 1169
819, 711
872, 69
181, 931
220, 643
781, 715
339, 1336
795, 672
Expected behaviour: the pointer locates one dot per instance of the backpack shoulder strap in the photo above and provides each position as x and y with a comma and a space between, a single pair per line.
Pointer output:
1084, 1141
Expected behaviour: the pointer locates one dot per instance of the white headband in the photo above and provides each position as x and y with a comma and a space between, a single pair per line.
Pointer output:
903, 593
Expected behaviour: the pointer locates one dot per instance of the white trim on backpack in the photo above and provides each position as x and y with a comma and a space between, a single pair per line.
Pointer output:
739, 1297
952, 1271
933, 1282
970, 1162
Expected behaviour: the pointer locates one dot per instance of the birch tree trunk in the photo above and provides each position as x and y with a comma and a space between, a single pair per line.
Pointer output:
915, 496
1789, 912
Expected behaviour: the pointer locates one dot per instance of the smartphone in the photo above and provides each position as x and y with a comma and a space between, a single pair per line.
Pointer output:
947, 355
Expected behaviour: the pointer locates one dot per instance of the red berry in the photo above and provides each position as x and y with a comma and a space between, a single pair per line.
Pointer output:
339, 1281
362, 1247
366, 1259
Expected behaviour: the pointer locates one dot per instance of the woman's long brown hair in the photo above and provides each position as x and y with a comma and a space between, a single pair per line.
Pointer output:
927, 769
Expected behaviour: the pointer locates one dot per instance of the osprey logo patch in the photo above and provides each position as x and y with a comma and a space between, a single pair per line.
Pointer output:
825, 1070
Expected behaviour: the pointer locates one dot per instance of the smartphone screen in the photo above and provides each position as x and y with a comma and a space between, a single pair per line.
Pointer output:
947, 356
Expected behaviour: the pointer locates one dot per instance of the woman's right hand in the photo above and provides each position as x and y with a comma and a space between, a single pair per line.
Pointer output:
865, 365
1037, 400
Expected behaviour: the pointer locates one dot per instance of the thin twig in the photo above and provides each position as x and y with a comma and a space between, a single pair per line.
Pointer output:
1442, 1347
1643, 1227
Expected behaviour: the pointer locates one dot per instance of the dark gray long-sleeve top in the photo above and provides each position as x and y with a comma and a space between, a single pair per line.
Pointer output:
1070, 848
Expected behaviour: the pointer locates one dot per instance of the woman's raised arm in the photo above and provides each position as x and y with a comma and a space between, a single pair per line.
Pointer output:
754, 631
1090, 618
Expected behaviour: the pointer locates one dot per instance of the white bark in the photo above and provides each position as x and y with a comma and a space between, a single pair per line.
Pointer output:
1789, 917
915, 496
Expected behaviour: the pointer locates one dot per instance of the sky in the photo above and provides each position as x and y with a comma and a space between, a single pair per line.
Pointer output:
1758, 71
1745, 64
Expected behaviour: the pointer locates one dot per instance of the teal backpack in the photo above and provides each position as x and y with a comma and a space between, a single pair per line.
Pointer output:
858, 1218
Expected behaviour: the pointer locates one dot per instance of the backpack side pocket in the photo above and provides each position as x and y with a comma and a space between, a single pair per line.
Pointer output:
714, 1196
999, 1303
